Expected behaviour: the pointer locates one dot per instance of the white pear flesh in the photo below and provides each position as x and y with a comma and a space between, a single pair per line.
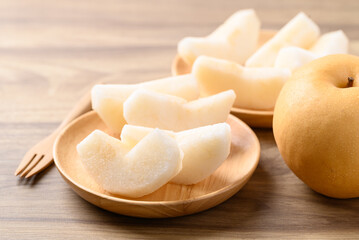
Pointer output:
135, 172
255, 88
301, 31
235, 40
331, 43
151, 109
204, 149
108, 99
293, 58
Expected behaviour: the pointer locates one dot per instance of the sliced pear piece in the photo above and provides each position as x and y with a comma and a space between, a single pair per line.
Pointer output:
255, 88
331, 43
108, 99
131, 172
293, 58
301, 31
235, 40
204, 148
151, 109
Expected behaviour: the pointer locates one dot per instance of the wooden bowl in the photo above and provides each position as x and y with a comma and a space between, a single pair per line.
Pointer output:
171, 200
254, 118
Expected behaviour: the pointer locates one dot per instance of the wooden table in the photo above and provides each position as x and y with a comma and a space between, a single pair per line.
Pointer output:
52, 51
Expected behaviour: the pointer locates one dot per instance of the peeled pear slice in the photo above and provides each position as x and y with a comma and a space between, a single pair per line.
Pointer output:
255, 88
131, 171
204, 148
293, 58
108, 99
331, 43
301, 31
235, 40
151, 109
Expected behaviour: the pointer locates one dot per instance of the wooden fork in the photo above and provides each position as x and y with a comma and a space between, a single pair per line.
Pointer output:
40, 156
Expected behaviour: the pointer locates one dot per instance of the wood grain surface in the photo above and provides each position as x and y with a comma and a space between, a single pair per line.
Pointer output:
51, 51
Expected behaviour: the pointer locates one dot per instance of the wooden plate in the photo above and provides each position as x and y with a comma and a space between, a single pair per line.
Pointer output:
171, 200
254, 118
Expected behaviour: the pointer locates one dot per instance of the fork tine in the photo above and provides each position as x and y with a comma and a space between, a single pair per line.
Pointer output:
31, 165
29, 156
44, 163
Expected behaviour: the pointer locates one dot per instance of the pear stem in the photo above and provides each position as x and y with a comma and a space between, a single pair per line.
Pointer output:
350, 82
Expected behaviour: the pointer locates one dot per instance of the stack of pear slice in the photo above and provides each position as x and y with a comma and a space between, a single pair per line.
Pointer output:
170, 135
229, 59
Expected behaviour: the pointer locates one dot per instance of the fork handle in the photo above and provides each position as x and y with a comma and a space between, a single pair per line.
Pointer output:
81, 107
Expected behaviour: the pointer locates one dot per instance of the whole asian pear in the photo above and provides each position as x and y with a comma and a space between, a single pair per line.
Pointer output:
316, 125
